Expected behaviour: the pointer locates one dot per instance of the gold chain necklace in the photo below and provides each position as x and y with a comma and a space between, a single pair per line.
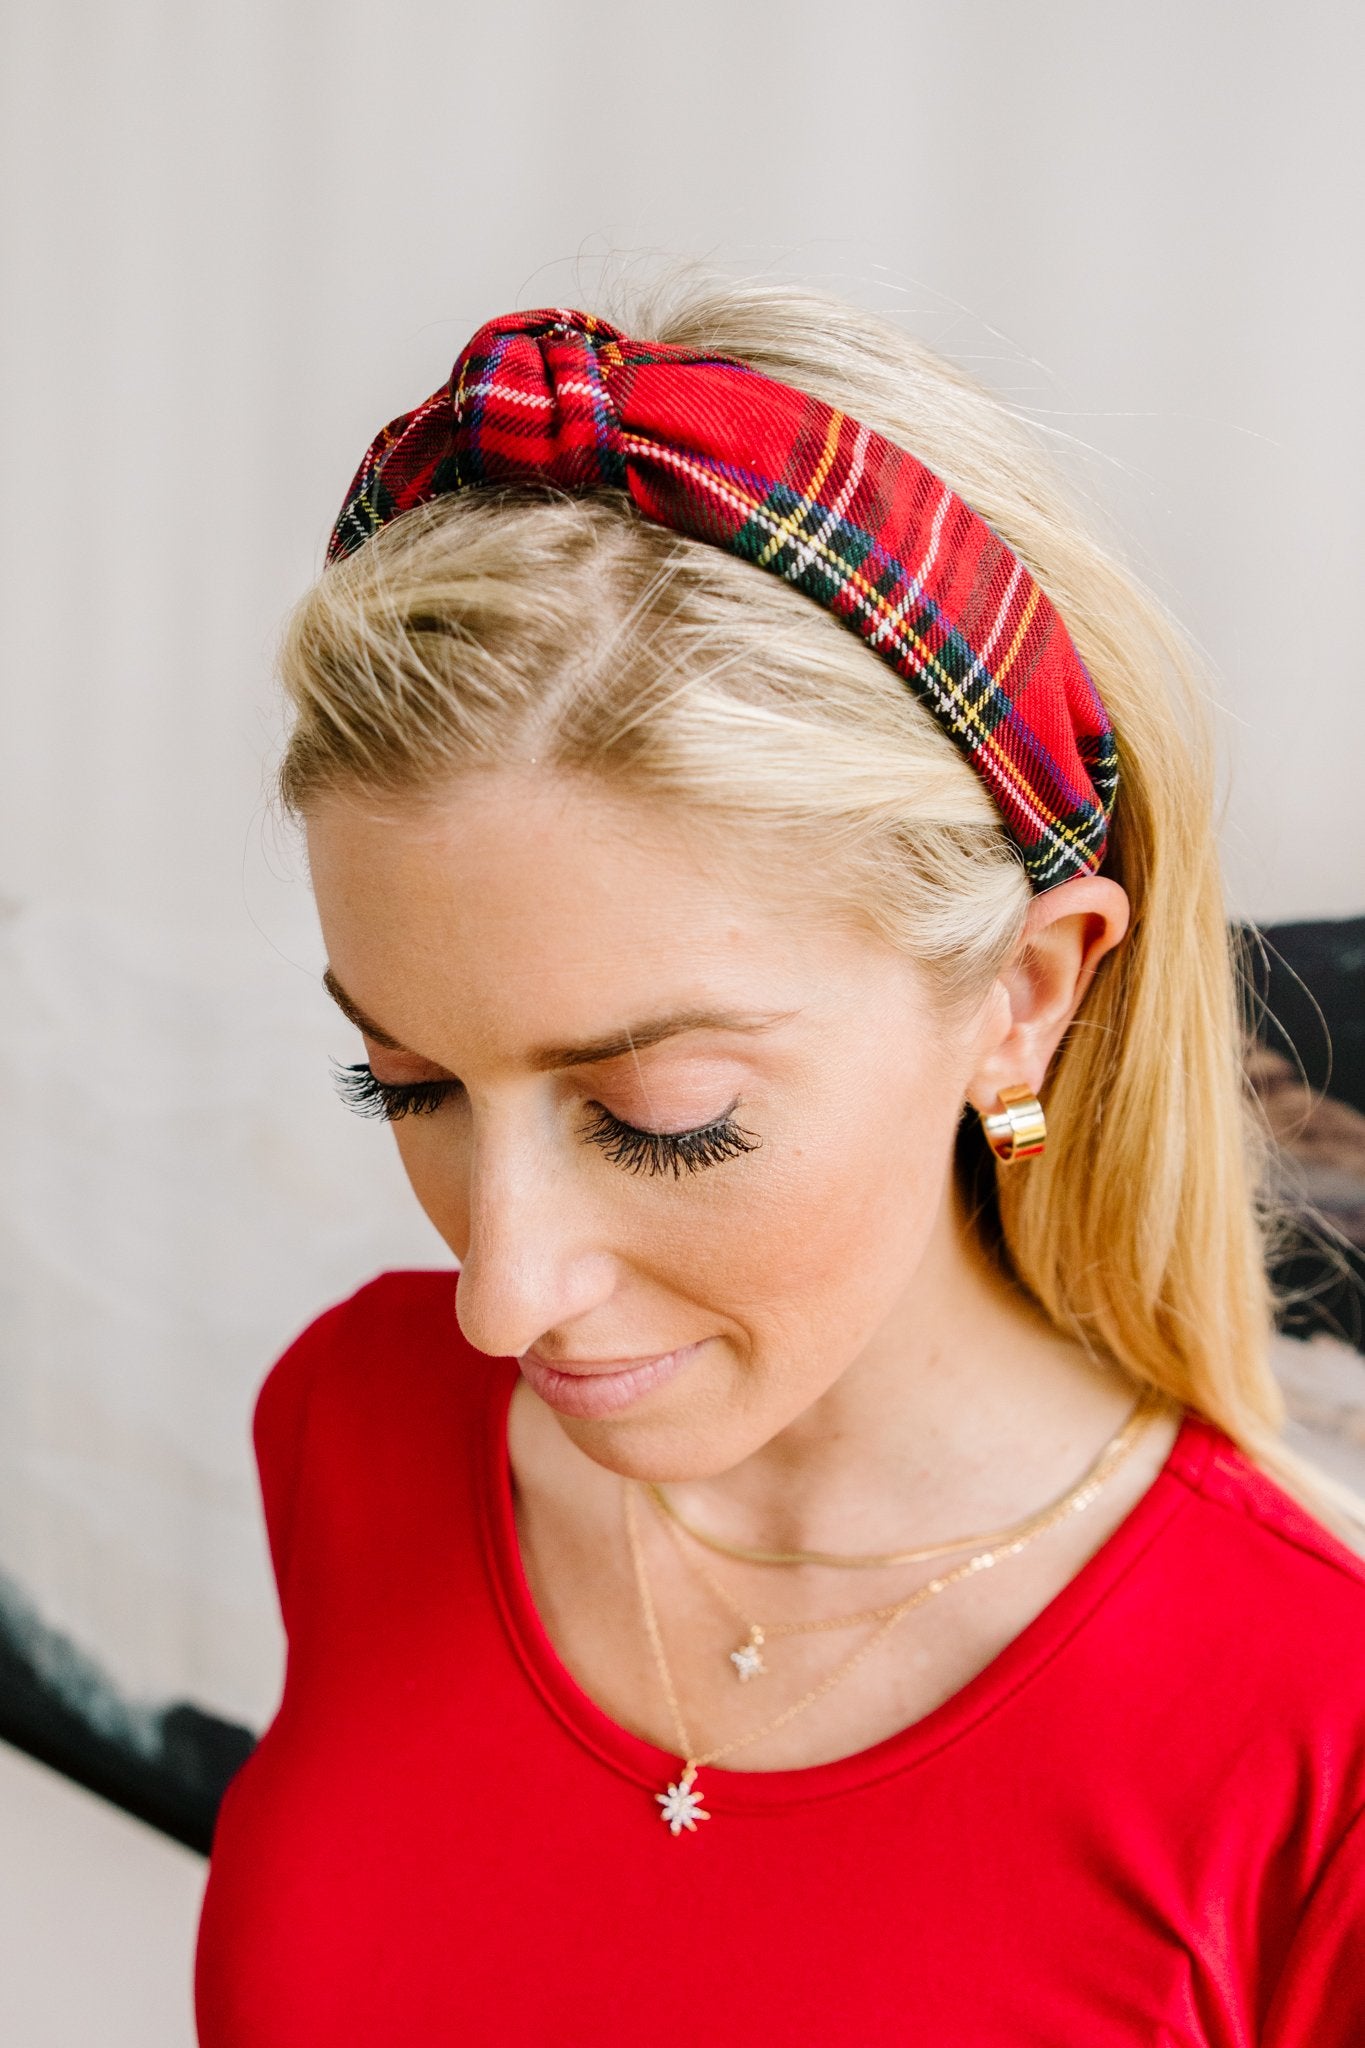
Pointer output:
1150, 1399
681, 1804
747, 1659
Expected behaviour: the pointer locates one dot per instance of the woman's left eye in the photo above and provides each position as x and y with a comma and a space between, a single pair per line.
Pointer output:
674, 1152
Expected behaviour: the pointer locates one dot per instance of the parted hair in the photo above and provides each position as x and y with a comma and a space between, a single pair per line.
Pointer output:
506, 627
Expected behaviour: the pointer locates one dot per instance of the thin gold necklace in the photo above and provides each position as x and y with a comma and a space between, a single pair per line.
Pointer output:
747, 1658
1150, 1399
681, 1804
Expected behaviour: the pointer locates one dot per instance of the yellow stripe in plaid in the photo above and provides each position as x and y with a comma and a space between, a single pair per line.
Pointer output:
1029, 609
365, 497
871, 602
782, 531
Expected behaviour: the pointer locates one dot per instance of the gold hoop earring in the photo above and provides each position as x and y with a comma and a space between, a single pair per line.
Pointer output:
1019, 1129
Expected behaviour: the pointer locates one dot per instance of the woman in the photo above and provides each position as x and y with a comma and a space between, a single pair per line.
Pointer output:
827, 1569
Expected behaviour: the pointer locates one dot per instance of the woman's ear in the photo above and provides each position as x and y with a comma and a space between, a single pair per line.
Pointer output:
1067, 933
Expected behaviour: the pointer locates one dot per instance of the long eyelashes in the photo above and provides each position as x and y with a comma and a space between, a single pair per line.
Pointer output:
675, 1152
360, 1091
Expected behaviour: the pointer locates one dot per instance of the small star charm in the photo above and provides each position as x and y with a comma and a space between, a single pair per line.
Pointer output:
748, 1658
682, 1807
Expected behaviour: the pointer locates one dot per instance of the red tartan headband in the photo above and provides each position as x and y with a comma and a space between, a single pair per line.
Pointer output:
713, 448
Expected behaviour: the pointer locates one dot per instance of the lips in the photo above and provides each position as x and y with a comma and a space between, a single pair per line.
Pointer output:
589, 1387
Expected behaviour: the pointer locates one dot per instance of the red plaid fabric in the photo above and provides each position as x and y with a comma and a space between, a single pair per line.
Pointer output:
711, 447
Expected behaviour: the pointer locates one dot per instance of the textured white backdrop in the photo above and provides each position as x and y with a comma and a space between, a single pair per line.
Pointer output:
236, 239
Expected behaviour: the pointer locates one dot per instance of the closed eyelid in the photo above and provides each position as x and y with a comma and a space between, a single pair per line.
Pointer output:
676, 1152
664, 1094
672, 1129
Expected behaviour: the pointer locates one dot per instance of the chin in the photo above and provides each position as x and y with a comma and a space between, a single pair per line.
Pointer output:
666, 1448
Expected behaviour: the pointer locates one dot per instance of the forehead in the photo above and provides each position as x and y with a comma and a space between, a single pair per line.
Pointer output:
525, 905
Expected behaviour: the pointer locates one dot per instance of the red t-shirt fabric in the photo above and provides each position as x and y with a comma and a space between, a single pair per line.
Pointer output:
1141, 1823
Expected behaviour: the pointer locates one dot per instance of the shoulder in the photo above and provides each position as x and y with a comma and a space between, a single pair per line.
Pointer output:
1259, 1526
360, 1399
1269, 1603
403, 1298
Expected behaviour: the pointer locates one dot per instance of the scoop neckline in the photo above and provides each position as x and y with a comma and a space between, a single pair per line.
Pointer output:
739, 1791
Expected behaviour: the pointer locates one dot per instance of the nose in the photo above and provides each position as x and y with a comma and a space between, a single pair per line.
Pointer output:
536, 1258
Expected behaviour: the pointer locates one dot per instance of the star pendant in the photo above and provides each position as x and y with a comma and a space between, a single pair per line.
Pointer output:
682, 1807
748, 1658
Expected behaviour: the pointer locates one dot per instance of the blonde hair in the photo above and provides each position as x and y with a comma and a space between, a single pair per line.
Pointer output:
496, 628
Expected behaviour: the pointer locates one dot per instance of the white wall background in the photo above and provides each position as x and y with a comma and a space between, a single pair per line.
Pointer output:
235, 240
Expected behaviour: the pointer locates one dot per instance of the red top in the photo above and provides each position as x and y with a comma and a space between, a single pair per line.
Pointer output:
1139, 1827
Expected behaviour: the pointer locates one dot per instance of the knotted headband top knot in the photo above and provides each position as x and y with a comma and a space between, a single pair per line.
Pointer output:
711, 447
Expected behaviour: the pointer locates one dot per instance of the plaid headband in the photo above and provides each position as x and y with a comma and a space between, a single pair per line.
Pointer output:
713, 448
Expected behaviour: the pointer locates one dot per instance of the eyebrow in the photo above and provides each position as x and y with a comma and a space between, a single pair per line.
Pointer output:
549, 1058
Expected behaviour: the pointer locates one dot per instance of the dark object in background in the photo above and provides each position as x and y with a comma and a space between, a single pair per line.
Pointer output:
1307, 1007
1311, 981
168, 1766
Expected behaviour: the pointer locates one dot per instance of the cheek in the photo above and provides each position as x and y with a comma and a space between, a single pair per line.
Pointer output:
805, 1263
813, 1242
433, 1150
